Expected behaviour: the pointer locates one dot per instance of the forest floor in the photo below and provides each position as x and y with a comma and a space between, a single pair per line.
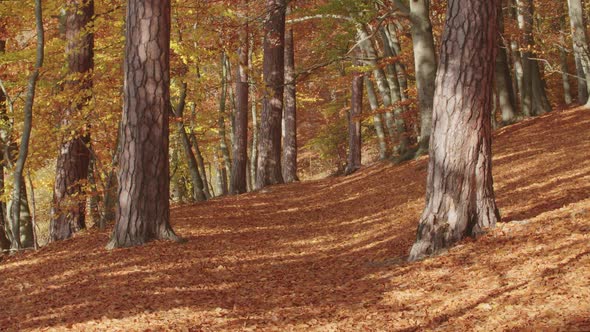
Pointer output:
330, 255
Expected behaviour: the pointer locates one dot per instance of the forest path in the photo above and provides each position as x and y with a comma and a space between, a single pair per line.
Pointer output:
329, 255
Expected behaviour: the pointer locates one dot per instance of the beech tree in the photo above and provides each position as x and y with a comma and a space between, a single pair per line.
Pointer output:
240, 147
69, 209
354, 124
289, 160
269, 144
581, 49
143, 212
459, 193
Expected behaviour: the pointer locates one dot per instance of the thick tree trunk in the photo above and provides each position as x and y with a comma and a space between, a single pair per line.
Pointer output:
69, 208
582, 86
18, 178
193, 168
377, 122
506, 101
269, 147
289, 166
580, 41
460, 195
143, 212
239, 174
25, 223
354, 125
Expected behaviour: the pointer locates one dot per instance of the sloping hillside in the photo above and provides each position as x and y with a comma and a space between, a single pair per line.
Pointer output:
330, 255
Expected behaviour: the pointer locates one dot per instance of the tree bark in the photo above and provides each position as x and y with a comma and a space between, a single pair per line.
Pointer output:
505, 93
239, 174
18, 178
580, 41
354, 125
143, 212
198, 155
533, 96
253, 101
197, 182
68, 214
377, 122
460, 195
221, 125
4, 242
269, 146
289, 166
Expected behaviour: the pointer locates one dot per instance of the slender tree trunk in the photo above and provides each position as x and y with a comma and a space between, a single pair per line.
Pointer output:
289, 166
239, 174
425, 64
533, 96
380, 78
354, 125
506, 99
254, 116
582, 84
400, 68
143, 211
376, 118
4, 242
197, 182
563, 65
269, 147
221, 123
111, 186
18, 178
460, 195
69, 208
198, 155
580, 41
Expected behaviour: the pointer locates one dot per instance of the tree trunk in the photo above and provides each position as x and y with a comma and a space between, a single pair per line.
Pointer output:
400, 68
68, 214
198, 155
221, 123
505, 94
269, 147
380, 78
193, 168
580, 41
25, 223
563, 65
376, 118
460, 195
254, 116
289, 166
239, 174
354, 125
18, 179
533, 96
425, 64
143, 212
4, 242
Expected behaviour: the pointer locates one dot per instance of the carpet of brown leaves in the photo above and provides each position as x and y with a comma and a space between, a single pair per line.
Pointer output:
329, 255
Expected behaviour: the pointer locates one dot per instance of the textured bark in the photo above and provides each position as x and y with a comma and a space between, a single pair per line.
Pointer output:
533, 96
506, 101
143, 212
354, 125
289, 160
269, 146
460, 196
18, 178
68, 214
377, 122
580, 41
198, 193
582, 86
563, 63
239, 174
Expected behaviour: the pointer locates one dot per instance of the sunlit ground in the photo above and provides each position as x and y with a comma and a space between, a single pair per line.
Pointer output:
330, 255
